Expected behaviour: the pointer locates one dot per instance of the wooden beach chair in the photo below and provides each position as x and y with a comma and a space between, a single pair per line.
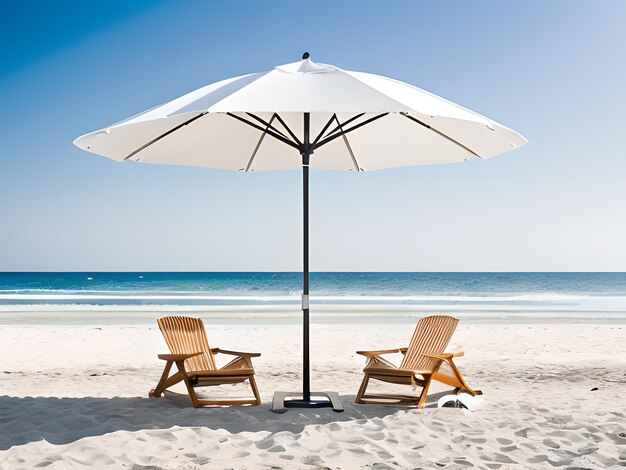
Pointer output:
420, 364
186, 339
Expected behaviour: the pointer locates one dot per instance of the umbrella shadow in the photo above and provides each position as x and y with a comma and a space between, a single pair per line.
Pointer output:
65, 420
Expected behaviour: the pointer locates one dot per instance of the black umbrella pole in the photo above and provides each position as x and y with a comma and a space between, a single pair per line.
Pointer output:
306, 365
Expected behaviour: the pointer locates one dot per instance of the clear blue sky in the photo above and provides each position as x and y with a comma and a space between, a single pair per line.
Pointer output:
554, 71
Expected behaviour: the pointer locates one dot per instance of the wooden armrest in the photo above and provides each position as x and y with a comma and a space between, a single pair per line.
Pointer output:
446, 356
378, 353
404, 350
177, 357
234, 353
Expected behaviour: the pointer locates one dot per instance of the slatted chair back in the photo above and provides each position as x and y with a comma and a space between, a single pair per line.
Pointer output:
185, 335
431, 336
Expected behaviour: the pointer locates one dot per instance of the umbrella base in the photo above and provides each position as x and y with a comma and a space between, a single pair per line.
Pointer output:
280, 403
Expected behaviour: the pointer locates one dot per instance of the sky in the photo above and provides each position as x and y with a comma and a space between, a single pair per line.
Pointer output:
553, 71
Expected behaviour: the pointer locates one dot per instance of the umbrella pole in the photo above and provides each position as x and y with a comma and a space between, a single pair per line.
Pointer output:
306, 365
325, 399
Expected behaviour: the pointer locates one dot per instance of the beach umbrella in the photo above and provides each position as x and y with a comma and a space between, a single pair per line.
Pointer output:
299, 116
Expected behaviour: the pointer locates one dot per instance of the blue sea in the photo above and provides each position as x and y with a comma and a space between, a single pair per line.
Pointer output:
476, 295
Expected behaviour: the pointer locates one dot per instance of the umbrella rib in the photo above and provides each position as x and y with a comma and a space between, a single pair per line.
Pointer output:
256, 149
265, 123
268, 131
277, 116
353, 118
163, 135
334, 136
293, 136
345, 141
406, 115
330, 121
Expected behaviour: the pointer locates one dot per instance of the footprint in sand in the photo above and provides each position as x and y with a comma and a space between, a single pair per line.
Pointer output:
311, 460
551, 443
278, 448
463, 462
357, 450
586, 450
376, 436
381, 466
544, 458
264, 444
522, 433
495, 457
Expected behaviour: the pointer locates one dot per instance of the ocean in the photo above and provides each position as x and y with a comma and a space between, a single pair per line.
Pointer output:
380, 294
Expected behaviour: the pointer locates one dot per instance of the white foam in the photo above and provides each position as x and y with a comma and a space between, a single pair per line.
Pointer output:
115, 295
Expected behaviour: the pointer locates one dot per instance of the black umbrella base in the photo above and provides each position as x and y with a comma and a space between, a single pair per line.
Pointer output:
280, 403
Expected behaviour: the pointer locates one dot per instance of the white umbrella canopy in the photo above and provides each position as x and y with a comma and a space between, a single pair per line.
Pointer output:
362, 121
304, 115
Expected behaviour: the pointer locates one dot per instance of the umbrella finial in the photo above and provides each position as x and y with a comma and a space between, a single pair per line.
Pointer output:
305, 56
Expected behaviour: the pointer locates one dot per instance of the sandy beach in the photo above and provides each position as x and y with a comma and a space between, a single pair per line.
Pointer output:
75, 396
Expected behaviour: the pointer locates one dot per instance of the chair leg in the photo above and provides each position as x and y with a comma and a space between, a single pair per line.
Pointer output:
160, 388
399, 398
362, 388
255, 390
457, 380
173, 380
190, 390
461, 379
424, 393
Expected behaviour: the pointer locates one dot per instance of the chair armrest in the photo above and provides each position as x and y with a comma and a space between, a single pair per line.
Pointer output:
404, 350
378, 353
234, 353
177, 357
446, 356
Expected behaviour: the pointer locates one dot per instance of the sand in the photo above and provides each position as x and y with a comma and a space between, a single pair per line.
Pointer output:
76, 397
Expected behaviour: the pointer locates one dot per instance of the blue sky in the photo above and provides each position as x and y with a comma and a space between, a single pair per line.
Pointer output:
554, 71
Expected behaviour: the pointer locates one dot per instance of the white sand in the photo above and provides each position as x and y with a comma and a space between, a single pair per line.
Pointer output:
76, 397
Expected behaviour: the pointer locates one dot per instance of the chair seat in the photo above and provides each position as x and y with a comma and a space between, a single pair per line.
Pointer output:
222, 372
395, 371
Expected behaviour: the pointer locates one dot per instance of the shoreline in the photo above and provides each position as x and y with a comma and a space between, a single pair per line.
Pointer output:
279, 315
